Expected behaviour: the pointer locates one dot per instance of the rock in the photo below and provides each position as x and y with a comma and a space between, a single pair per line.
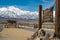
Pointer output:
41, 32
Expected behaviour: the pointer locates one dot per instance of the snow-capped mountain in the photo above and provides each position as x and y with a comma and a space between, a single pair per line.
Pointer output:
14, 12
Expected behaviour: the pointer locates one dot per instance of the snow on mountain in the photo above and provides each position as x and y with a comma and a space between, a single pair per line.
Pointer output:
54, 14
14, 12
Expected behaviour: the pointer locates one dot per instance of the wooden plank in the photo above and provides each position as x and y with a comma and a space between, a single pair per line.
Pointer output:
48, 15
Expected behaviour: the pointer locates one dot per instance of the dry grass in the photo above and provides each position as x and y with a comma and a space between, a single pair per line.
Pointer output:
15, 34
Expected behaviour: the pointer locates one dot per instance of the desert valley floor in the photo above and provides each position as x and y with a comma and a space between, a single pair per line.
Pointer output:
15, 34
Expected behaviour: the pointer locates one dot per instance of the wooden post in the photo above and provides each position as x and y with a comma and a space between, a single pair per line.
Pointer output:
40, 17
52, 14
57, 22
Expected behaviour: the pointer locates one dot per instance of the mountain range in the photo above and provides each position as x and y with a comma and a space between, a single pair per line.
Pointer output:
14, 13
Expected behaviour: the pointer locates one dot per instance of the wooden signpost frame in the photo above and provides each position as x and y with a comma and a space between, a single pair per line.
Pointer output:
57, 18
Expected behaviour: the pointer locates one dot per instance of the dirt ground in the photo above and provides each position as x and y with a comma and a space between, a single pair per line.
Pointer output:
15, 34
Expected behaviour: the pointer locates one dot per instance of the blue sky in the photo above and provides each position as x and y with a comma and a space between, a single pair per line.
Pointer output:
30, 5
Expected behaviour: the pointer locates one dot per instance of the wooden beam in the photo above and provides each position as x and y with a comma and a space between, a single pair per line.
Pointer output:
40, 17
56, 18
57, 22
